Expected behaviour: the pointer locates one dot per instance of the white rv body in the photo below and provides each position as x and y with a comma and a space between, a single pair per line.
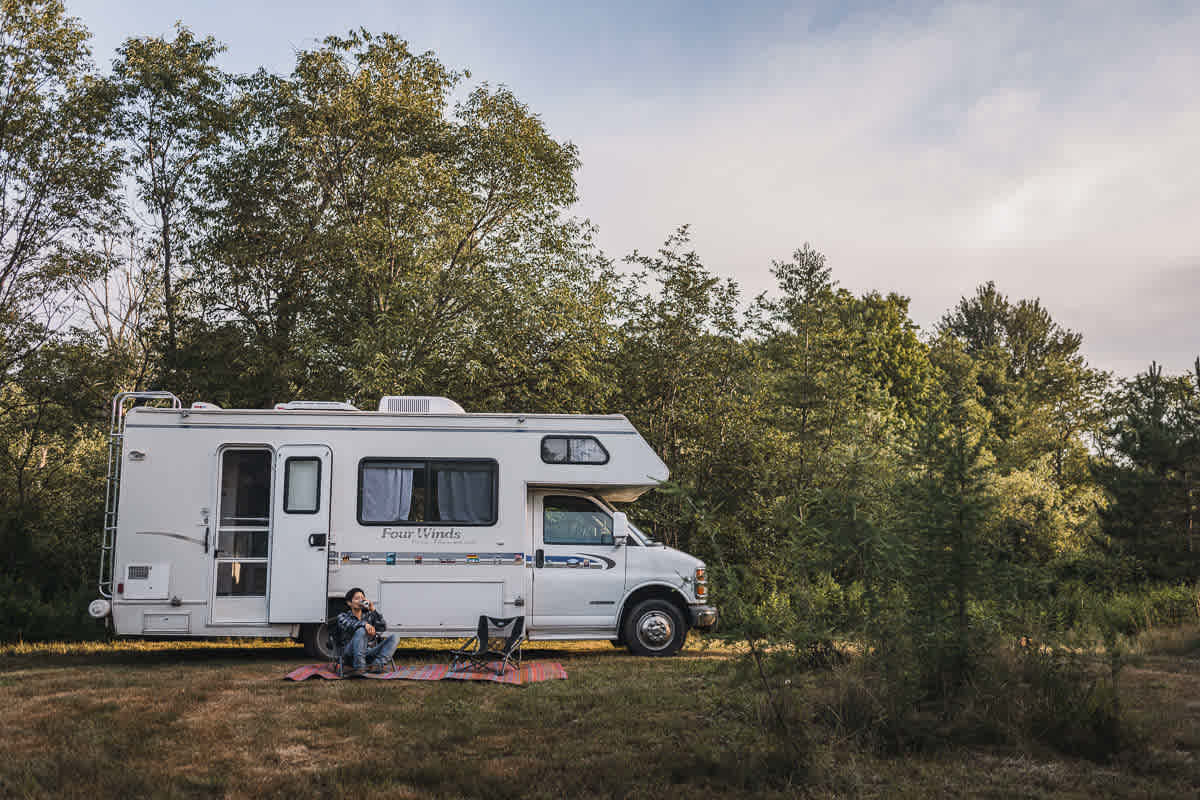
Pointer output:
194, 554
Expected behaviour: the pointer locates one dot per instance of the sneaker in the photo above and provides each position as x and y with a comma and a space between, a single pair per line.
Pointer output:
377, 669
354, 673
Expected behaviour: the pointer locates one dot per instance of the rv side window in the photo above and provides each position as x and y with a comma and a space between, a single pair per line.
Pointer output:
302, 486
463, 492
574, 520
393, 492
573, 450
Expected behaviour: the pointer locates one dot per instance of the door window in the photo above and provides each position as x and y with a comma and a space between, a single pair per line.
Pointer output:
302, 486
567, 519
241, 579
244, 532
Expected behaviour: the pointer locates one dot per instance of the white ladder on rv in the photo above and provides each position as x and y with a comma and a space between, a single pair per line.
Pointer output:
112, 491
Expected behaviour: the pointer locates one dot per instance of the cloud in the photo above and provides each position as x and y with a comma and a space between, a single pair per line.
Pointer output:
1049, 150
1049, 147
1158, 314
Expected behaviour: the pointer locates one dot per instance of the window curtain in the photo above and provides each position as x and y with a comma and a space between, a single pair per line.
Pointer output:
387, 493
464, 496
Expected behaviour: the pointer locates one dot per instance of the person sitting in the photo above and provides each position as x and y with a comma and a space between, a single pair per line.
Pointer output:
357, 626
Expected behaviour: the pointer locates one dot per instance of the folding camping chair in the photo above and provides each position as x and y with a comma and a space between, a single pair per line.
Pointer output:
497, 639
338, 648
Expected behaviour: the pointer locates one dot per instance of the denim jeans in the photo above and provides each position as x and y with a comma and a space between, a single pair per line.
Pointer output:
359, 655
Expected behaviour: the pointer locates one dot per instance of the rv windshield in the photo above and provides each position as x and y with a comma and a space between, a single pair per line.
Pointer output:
645, 537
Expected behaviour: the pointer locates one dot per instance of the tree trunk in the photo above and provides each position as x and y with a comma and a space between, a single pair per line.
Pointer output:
168, 297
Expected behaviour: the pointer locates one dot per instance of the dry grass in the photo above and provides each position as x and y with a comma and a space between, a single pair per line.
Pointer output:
214, 719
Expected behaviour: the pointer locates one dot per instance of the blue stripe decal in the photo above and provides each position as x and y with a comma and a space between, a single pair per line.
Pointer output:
578, 562
383, 428
395, 558
575, 561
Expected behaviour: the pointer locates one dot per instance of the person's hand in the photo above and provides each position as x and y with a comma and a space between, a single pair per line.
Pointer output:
370, 629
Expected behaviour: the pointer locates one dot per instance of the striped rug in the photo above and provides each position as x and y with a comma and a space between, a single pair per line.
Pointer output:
529, 672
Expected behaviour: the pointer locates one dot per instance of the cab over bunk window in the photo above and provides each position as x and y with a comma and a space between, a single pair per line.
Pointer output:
573, 450
399, 492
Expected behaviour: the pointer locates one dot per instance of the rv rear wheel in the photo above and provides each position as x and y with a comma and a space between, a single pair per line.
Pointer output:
655, 628
317, 642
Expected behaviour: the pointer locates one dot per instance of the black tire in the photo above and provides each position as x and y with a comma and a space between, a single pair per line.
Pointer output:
655, 627
617, 643
316, 641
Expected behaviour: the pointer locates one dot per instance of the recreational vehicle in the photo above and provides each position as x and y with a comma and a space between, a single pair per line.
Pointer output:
223, 522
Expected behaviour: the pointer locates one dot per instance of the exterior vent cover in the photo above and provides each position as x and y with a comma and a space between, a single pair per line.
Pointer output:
147, 581
401, 404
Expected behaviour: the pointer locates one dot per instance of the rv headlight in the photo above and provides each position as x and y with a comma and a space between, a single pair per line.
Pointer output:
701, 583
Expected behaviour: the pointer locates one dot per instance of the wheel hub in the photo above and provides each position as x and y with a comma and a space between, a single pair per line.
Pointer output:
655, 630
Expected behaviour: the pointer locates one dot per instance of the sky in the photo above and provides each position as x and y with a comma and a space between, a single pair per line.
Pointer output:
924, 148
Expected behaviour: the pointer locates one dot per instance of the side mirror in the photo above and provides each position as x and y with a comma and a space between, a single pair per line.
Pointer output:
620, 528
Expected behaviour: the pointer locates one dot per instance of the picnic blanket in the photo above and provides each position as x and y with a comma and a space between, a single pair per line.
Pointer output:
529, 672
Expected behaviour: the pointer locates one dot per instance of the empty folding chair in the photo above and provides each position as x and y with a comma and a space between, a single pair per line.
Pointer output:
497, 639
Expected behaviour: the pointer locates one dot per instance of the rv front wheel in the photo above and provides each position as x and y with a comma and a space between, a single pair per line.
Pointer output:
317, 642
655, 628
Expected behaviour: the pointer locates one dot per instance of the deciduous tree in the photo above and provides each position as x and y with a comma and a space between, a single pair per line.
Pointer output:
172, 109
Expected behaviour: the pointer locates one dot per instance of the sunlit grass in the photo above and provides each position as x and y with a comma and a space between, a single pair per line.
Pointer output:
1183, 640
214, 718
696, 645
136, 645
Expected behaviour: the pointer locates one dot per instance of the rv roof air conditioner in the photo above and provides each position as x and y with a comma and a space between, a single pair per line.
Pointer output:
314, 405
402, 404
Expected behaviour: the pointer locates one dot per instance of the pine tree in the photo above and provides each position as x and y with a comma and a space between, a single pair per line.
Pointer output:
1151, 470
949, 506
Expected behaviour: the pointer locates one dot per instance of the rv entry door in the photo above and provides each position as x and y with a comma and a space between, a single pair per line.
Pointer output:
300, 544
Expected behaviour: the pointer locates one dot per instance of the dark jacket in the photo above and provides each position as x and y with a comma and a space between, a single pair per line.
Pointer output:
347, 624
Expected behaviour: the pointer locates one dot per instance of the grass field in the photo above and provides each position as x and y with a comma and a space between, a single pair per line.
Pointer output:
139, 719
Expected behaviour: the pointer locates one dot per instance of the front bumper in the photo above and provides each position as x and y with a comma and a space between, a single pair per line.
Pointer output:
703, 617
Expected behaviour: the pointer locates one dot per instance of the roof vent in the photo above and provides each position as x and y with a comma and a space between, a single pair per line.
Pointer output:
400, 404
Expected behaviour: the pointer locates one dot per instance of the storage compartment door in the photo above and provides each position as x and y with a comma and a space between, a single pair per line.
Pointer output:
419, 606
300, 539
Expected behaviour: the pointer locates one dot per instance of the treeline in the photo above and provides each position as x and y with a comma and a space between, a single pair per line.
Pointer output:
348, 230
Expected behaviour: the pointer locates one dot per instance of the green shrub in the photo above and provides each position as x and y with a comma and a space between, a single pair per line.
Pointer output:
1068, 706
1130, 613
878, 711
26, 615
